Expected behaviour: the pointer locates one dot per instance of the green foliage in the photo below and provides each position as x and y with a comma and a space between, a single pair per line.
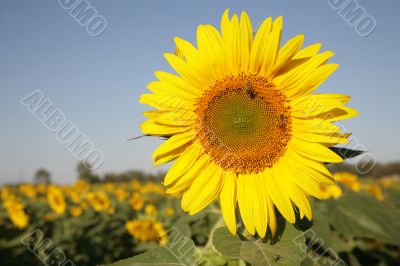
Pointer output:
363, 216
356, 228
346, 153
289, 249
42, 176
85, 173
376, 169
133, 175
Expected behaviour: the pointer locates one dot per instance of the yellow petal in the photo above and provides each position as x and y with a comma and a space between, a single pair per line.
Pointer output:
272, 224
308, 184
321, 98
177, 85
314, 104
244, 194
183, 163
204, 189
185, 181
338, 114
259, 46
309, 51
315, 151
314, 125
271, 48
166, 102
173, 146
302, 162
211, 47
174, 117
331, 139
312, 82
246, 40
296, 194
228, 201
260, 202
294, 80
152, 128
231, 38
186, 48
287, 52
187, 72
277, 193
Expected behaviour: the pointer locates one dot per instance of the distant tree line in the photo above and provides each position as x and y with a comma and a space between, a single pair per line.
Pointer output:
379, 170
84, 172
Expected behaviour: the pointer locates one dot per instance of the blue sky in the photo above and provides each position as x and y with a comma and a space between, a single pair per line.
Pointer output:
96, 81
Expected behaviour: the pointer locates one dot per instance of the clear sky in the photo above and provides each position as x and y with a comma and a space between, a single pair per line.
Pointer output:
96, 81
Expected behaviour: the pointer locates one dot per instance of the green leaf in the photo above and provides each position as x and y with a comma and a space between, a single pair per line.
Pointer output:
362, 215
346, 153
226, 243
309, 262
152, 257
289, 250
322, 233
392, 196
179, 251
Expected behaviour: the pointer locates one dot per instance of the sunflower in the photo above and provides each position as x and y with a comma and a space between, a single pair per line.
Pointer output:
150, 209
136, 202
16, 212
348, 179
76, 211
169, 211
147, 230
241, 123
375, 190
56, 199
330, 191
121, 194
28, 190
99, 201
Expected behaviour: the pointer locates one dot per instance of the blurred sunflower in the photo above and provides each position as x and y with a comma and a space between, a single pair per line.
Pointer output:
41, 189
147, 230
169, 211
82, 186
330, 191
76, 211
5, 193
349, 180
121, 194
56, 199
151, 187
135, 185
150, 209
242, 125
136, 202
375, 190
16, 213
28, 190
74, 196
99, 201
387, 182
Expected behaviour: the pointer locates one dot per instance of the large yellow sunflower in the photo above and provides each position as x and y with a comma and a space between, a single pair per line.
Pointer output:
242, 125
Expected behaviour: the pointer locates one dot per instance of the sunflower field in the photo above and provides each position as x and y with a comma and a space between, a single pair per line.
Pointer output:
250, 148
139, 224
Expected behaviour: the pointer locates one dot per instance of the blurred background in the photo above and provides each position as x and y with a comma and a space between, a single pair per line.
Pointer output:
85, 63
96, 80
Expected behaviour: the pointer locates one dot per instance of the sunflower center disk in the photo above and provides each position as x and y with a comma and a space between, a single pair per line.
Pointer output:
243, 124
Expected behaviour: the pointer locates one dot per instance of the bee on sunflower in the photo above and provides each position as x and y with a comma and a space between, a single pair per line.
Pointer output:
242, 124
